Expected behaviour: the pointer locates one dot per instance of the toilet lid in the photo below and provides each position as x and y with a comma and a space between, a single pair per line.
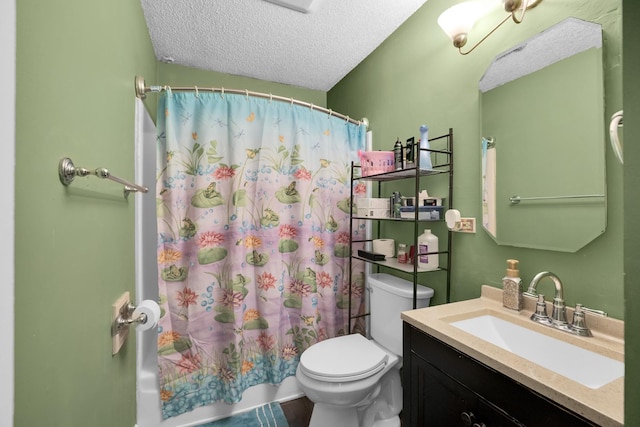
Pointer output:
342, 359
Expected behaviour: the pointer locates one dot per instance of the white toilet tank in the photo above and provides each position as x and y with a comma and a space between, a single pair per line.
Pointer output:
389, 296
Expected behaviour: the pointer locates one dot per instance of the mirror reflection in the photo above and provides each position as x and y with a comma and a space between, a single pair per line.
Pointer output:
544, 140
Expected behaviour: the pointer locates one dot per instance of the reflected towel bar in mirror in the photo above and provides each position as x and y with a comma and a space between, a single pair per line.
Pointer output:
67, 172
517, 199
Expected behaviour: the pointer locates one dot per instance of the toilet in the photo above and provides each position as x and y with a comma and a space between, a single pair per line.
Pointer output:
354, 381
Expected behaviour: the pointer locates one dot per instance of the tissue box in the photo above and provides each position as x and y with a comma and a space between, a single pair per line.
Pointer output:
427, 201
425, 213
372, 203
372, 207
374, 212
432, 201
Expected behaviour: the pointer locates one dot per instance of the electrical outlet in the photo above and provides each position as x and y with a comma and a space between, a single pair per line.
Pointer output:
119, 336
467, 225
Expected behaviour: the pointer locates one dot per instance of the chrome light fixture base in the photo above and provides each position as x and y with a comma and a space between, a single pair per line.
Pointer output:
466, 13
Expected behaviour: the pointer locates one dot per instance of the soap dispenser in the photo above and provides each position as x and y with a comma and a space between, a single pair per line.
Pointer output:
512, 287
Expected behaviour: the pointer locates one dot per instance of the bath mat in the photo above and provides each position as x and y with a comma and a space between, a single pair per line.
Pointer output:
269, 415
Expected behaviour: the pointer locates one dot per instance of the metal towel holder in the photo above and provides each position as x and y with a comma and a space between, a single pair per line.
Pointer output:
67, 172
517, 199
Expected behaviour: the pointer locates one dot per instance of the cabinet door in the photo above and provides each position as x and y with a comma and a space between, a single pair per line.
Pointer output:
492, 416
442, 401
437, 400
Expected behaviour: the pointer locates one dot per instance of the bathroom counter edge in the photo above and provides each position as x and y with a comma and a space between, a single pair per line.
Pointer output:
604, 406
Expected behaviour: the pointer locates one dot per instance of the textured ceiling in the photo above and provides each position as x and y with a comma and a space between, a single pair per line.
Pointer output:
565, 39
259, 39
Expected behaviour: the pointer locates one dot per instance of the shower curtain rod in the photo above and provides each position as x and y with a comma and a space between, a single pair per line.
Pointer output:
142, 89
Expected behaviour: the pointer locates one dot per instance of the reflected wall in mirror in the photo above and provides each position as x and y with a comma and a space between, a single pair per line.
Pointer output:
544, 140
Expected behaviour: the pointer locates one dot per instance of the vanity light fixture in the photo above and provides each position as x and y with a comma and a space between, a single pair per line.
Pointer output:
458, 20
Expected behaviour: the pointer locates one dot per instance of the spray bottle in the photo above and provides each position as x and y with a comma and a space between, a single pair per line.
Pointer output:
425, 156
398, 155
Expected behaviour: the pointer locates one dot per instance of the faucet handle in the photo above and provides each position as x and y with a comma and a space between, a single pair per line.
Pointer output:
579, 325
541, 315
592, 311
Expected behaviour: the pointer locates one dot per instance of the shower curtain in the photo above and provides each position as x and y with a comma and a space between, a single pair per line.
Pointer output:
253, 201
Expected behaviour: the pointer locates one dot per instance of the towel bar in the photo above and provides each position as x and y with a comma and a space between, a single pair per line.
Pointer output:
67, 172
517, 199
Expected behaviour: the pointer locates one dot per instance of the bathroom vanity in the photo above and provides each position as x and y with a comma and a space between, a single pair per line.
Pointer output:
453, 378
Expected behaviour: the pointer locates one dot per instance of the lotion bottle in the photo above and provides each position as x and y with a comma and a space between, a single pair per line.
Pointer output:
512, 287
428, 242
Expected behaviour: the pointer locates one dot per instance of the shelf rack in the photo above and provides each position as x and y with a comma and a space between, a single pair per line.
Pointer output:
415, 173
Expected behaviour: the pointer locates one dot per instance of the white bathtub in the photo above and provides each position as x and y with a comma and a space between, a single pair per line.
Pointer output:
147, 388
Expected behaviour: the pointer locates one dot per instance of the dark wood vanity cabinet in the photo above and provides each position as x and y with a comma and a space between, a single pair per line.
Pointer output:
443, 387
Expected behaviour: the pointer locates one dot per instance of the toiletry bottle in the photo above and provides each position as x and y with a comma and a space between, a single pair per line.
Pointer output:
428, 243
512, 287
402, 254
425, 156
397, 203
398, 154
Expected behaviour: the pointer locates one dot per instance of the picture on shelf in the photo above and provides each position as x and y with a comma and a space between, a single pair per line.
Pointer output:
410, 151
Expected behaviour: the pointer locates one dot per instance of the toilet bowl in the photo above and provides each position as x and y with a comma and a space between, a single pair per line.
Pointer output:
343, 394
354, 381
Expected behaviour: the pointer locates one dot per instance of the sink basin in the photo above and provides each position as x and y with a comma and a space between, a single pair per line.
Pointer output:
588, 368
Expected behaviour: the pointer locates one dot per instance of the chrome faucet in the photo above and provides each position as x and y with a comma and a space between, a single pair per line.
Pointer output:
558, 317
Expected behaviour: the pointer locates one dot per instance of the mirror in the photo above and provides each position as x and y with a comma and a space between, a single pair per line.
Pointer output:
543, 141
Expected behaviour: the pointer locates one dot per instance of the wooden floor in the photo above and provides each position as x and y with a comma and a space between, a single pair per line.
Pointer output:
297, 411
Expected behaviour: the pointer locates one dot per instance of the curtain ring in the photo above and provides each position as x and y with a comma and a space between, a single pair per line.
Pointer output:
222, 92
330, 113
291, 102
197, 94
168, 90
246, 91
270, 97
346, 121
311, 106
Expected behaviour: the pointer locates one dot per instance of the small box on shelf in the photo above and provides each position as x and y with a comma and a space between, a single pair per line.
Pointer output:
372, 203
425, 213
373, 213
372, 207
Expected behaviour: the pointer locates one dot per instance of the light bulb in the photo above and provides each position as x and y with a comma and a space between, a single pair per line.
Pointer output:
458, 20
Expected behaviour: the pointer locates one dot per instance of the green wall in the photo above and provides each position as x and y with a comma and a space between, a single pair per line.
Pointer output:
416, 76
74, 247
631, 72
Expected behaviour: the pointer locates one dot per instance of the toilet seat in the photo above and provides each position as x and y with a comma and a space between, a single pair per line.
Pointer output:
343, 359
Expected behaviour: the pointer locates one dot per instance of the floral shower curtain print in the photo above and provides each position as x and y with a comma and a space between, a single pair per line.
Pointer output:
253, 200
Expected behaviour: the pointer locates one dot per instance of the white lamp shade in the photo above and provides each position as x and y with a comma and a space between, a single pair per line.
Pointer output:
460, 18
